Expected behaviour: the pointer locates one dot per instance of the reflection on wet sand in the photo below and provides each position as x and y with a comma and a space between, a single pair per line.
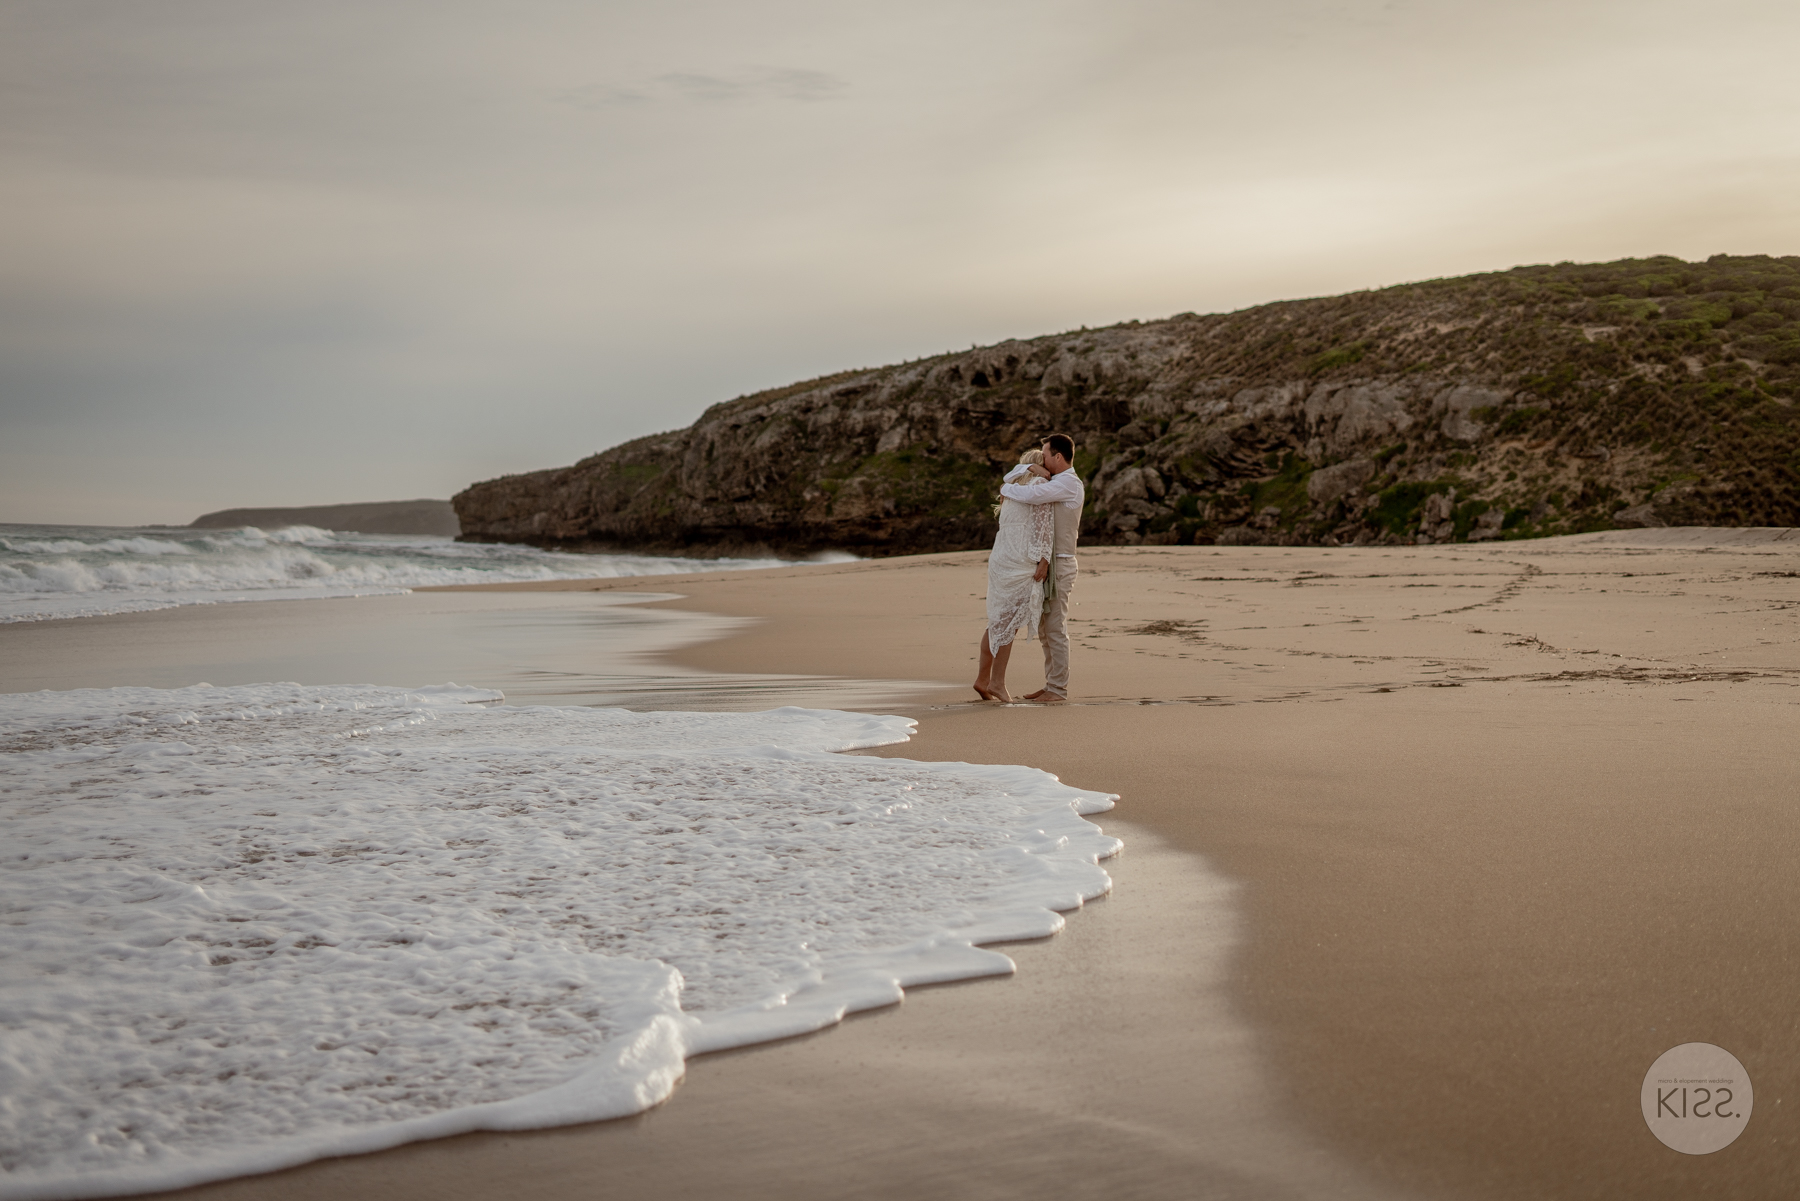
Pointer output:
564, 648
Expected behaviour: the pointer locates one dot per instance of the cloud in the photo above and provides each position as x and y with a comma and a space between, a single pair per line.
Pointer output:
293, 254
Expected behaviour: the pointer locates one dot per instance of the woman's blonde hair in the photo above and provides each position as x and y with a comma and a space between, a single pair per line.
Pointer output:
1034, 456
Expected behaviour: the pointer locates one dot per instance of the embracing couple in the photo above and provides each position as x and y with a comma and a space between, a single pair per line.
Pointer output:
1032, 569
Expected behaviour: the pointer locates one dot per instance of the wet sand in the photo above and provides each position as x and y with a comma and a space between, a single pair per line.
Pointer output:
1111, 1065
542, 648
1430, 852
1509, 820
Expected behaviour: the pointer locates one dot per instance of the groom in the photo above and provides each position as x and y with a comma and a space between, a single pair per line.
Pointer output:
1062, 488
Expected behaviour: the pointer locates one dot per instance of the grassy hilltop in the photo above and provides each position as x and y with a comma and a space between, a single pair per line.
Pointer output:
1686, 373
1540, 400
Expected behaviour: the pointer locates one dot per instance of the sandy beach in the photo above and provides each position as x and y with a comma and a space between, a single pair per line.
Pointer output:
497, 505
1431, 851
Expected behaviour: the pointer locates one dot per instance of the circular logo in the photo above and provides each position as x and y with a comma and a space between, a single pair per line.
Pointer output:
1697, 1098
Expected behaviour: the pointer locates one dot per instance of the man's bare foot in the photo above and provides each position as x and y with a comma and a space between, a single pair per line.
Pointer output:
1044, 696
1032, 696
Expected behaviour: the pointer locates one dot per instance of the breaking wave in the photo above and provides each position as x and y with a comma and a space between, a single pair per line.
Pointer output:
83, 571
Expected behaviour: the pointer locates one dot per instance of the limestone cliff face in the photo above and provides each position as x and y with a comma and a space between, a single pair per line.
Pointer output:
1540, 400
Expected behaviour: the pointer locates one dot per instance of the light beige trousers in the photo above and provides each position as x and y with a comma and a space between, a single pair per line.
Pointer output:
1053, 630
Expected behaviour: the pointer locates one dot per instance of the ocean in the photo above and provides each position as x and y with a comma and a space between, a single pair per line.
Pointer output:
253, 924
51, 571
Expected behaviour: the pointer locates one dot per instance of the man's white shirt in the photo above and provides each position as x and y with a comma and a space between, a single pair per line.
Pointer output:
1064, 487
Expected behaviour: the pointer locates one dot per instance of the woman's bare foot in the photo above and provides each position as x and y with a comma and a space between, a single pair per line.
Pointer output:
991, 691
990, 674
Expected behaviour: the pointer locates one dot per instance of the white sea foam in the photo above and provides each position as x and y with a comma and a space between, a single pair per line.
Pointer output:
76, 571
248, 927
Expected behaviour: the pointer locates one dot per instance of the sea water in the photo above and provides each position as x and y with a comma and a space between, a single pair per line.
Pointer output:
87, 571
252, 926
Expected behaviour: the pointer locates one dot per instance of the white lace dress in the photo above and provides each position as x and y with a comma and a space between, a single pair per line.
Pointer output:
1015, 601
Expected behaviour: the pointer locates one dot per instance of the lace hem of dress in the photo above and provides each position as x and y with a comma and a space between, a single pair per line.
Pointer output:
1019, 619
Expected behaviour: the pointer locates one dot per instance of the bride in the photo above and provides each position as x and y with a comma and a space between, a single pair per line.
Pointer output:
1016, 571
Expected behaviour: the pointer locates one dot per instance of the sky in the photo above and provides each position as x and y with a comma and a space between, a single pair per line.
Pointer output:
258, 253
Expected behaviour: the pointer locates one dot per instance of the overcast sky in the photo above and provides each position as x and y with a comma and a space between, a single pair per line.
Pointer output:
257, 253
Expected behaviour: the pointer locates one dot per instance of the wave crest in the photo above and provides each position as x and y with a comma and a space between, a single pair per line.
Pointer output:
48, 572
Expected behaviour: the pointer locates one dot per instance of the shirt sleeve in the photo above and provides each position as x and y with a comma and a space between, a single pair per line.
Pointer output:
1061, 486
1017, 473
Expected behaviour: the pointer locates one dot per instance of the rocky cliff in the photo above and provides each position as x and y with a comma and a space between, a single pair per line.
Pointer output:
1540, 400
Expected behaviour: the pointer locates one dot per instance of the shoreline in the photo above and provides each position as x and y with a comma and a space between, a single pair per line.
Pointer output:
1503, 823
1028, 1085
558, 648
1443, 775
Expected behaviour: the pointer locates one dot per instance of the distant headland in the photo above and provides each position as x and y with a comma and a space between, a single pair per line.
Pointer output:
1540, 400
375, 517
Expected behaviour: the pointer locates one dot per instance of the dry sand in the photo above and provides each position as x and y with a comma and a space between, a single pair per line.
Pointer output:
1499, 824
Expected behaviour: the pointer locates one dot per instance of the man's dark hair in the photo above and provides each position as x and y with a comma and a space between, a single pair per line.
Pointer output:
1061, 444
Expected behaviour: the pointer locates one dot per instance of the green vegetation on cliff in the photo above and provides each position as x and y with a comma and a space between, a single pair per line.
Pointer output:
1540, 400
